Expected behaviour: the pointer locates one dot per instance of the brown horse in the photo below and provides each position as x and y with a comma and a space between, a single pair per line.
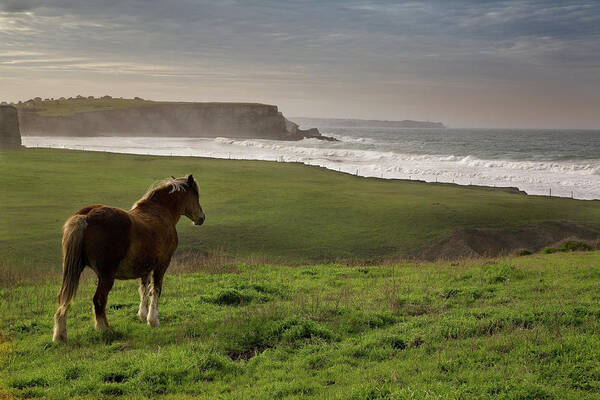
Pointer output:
119, 244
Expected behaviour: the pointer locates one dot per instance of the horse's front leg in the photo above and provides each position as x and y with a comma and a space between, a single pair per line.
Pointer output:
105, 284
155, 290
144, 292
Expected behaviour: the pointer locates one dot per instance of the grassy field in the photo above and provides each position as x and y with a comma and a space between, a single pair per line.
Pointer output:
237, 327
522, 328
279, 212
79, 105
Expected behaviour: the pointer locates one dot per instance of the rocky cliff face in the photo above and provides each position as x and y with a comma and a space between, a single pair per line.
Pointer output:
235, 120
10, 136
294, 129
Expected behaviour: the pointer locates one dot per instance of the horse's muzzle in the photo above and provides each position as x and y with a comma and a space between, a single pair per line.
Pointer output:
200, 220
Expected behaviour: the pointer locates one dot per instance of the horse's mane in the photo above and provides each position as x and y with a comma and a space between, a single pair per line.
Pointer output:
173, 184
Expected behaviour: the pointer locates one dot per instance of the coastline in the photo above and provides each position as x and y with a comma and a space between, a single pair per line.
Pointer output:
463, 171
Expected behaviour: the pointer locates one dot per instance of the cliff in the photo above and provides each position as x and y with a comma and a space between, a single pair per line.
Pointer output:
234, 120
10, 136
370, 123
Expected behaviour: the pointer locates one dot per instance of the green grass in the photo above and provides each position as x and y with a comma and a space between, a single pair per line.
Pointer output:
522, 328
511, 328
280, 212
79, 105
75, 105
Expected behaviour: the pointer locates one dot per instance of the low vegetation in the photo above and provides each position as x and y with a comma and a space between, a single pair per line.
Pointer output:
510, 328
573, 245
73, 105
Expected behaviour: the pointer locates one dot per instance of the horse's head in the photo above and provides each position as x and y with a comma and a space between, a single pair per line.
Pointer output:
191, 206
179, 195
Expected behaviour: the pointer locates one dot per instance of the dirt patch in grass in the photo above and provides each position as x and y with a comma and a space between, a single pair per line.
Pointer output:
471, 243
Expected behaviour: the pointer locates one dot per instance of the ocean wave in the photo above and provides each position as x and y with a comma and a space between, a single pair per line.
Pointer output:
351, 139
590, 167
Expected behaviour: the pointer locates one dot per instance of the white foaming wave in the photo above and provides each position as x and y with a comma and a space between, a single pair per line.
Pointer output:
351, 139
591, 167
580, 179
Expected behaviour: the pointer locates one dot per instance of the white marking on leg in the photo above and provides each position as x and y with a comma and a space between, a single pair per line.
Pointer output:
153, 316
102, 324
60, 324
143, 310
153, 312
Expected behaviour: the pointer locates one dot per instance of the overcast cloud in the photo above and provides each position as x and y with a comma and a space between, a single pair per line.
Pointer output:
467, 63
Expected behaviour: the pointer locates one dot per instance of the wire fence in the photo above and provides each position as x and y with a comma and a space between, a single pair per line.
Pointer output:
339, 169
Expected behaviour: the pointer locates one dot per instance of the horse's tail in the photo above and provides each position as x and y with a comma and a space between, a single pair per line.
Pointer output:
73, 260
73, 265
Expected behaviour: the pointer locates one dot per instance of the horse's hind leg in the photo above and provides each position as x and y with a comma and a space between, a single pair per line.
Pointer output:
67, 292
143, 290
155, 290
105, 284
60, 318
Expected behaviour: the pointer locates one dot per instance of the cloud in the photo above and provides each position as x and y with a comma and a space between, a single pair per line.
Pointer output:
445, 43
15, 6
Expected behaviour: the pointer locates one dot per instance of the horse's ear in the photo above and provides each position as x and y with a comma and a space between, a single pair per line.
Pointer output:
190, 180
173, 177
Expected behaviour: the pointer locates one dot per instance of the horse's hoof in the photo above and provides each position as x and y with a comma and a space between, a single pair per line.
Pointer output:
59, 338
153, 323
59, 335
103, 326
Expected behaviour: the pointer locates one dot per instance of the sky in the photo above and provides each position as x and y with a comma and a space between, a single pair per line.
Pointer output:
467, 63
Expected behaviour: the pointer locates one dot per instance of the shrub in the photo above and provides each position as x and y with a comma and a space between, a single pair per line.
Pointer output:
72, 373
395, 342
569, 245
259, 335
24, 383
231, 297
213, 365
499, 273
574, 246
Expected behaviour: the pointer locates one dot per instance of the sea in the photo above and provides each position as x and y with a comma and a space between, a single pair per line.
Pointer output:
563, 163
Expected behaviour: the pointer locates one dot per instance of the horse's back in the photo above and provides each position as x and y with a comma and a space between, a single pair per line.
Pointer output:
107, 235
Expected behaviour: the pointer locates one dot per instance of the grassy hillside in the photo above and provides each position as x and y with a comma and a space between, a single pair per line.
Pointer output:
78, 105
288, 213
525, 328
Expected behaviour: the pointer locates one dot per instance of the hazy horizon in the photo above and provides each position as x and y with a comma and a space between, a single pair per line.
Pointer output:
470, 64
